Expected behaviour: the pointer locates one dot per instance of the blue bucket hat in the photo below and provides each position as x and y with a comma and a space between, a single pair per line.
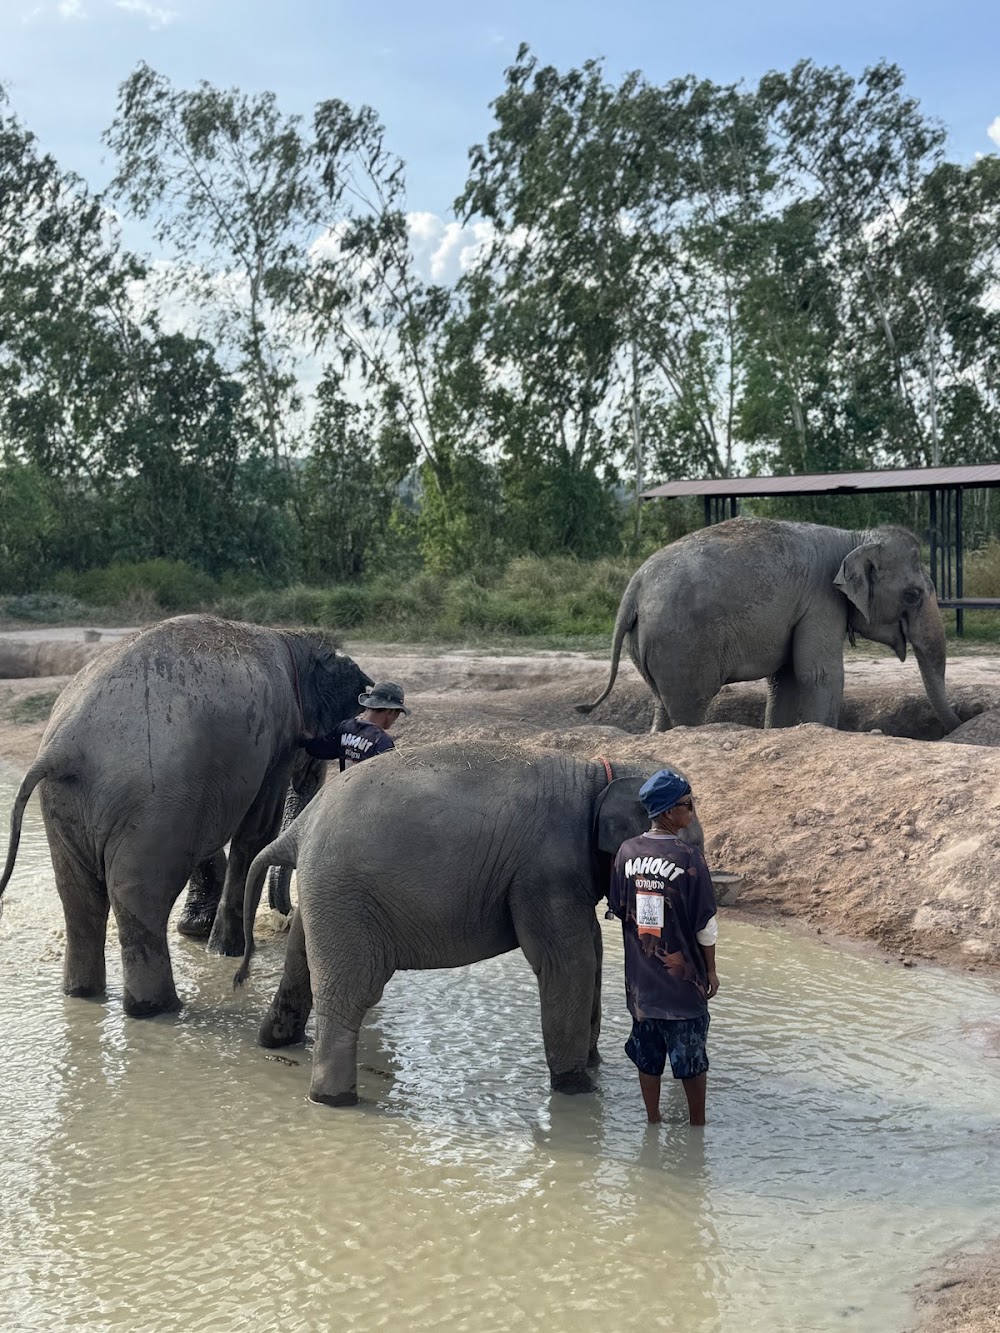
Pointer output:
662, 791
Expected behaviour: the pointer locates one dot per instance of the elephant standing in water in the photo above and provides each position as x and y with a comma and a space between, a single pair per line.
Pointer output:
752, 598
441, 857
156, 755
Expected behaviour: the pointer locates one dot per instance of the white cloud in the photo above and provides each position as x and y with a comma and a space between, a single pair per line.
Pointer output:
443, 251
157, 15
994, 131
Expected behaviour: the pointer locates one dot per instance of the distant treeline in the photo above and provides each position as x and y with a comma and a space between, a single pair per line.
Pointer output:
678, 280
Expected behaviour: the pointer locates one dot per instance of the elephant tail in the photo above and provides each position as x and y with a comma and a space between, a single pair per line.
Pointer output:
40, 769
282, 852
626, 618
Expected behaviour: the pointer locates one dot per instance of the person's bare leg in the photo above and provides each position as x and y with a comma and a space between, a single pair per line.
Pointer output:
694, 1091
650, 1085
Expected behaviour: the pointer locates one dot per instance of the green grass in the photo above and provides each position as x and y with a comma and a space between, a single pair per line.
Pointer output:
31, 707
558, 603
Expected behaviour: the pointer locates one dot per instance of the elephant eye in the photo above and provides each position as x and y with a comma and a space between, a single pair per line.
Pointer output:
912, 596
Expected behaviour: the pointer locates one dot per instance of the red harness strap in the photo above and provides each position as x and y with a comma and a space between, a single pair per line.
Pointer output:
600, 759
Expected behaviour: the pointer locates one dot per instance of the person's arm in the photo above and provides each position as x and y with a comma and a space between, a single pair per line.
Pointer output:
705, 911
322, 747
708, 953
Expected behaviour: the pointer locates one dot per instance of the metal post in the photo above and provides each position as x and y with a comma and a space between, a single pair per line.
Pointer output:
708, 511
959, 613
734, 506
934, 542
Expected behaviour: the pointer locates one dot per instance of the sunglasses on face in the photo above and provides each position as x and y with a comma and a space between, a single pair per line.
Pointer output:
686, 804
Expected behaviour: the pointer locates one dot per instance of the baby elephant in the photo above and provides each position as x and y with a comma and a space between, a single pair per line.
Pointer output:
441, 857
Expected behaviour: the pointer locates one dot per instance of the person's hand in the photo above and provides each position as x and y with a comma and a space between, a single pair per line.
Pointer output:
713, 984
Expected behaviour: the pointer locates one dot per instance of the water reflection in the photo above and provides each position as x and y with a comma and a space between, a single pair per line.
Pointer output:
169, 1175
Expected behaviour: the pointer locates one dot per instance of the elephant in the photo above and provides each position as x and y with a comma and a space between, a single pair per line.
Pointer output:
306, 782
440, 857
751, 598
157, 754
207, 880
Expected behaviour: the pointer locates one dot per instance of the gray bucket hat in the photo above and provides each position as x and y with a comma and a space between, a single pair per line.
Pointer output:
387, 694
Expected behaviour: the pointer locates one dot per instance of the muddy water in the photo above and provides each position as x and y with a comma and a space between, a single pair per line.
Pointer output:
168, 1175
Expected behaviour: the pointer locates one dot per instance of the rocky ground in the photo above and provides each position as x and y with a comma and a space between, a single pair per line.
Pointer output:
879, 837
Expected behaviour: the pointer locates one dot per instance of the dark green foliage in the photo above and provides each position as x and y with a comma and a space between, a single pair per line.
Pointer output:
687, 279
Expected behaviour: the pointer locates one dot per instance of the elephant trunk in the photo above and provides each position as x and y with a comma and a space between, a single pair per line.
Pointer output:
925, 632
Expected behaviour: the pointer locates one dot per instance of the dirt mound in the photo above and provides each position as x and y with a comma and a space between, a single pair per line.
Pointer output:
963, 1296
983, 729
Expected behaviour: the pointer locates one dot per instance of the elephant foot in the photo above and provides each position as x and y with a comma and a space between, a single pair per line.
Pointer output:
349, 1098
149, 1008
594, 1059
196, 923
94, 992
226, 939
572, 1082
276, 1031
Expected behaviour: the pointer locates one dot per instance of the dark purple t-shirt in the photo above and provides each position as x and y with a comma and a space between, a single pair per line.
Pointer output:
350, 741
662, 892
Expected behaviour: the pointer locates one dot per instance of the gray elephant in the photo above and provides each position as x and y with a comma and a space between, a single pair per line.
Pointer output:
441, 857
156, 755
753, 598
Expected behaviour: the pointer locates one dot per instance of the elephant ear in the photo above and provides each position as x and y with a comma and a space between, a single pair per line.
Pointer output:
858, 576
619, 814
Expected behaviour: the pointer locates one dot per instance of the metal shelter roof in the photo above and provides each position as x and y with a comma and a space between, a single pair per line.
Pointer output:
834, 483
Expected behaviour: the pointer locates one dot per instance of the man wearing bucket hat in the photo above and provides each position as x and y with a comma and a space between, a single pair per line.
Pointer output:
662, 891
360, 737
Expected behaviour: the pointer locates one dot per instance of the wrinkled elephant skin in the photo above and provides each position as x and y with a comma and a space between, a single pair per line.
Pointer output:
441, 857
753, 599
162, 750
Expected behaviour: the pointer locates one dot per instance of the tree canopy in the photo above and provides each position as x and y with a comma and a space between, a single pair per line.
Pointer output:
687, 279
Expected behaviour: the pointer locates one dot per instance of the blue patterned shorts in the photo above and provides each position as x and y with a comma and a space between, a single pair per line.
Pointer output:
681, 1040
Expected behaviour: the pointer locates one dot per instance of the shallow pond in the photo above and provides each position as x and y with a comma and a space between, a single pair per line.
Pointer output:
168, 1175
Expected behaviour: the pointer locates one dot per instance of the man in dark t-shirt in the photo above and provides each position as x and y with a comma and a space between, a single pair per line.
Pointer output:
358, 738
662, 892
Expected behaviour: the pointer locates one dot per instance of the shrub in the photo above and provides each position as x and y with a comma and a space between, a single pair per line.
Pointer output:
51, 607
172, 584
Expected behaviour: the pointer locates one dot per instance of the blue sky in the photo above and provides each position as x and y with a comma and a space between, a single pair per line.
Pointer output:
431, 69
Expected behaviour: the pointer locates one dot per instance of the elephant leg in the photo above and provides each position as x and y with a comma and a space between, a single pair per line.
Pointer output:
279, 889
338, 1021
260, 824
593, 1055
85, 906
226, 936
285, 1021
141, 908
683, 685
279, 878
558, 941
203, 897
818, 660
782, 708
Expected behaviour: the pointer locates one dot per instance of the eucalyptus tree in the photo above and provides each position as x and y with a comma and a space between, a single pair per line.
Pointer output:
863, 149
241, 194
552, 298
66, 340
